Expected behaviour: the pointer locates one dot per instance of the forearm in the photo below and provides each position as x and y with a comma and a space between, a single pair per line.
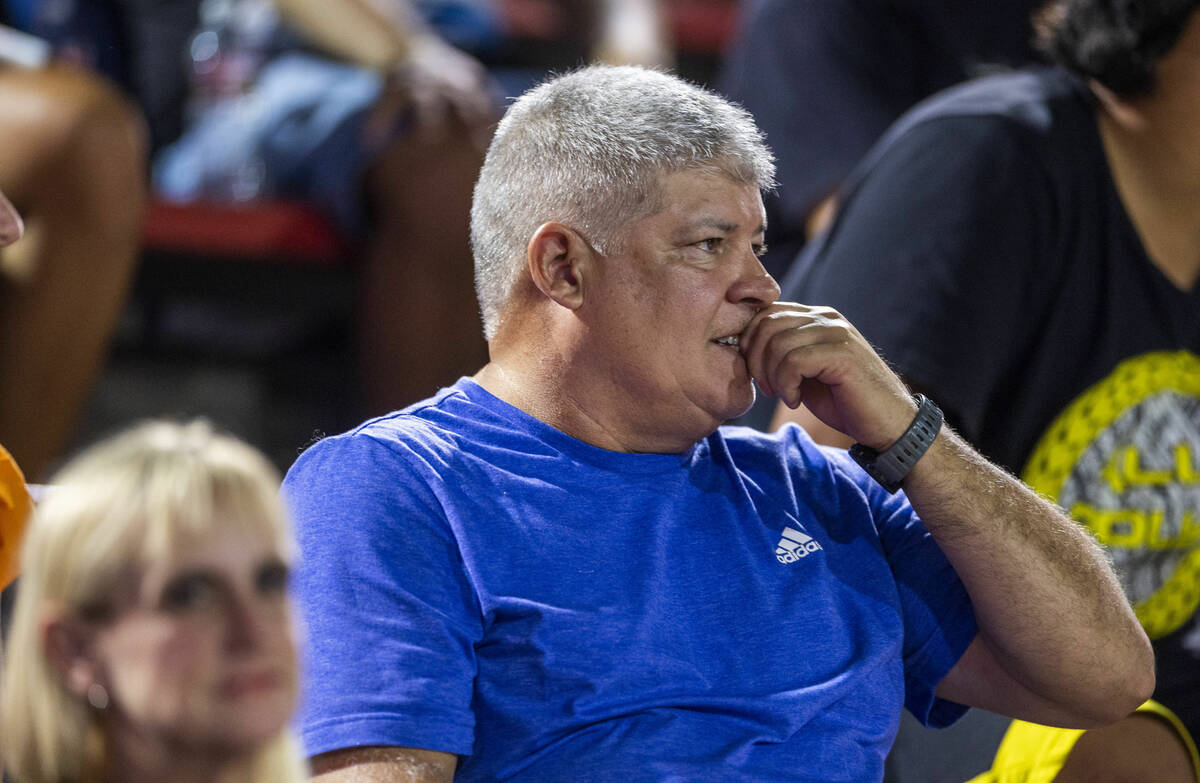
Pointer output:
1049, 607
384, 764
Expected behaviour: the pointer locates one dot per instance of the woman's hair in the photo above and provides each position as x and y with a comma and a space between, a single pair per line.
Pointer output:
1116, 42
142, 495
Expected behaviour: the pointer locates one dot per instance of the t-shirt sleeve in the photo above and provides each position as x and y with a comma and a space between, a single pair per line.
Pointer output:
939, 621
388, 616
935, 254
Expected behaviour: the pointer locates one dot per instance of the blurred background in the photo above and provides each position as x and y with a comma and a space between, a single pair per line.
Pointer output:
299, 259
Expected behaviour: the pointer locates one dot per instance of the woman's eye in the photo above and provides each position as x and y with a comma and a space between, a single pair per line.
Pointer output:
272, 579
189, 593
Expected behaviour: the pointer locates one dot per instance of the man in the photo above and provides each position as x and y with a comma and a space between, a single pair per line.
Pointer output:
564, 569
1026, 250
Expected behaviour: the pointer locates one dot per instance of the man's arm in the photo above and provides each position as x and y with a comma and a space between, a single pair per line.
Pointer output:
380, 764
1058, 642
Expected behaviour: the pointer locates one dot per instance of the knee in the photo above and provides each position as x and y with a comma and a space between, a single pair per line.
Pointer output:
67, 122
103, 123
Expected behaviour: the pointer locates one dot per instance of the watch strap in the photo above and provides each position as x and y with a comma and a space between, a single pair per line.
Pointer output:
891, 466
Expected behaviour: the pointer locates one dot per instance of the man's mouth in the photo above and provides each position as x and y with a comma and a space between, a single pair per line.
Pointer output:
730, 340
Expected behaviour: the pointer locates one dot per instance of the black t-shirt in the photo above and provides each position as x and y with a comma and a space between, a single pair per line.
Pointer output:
825, 78
983, 248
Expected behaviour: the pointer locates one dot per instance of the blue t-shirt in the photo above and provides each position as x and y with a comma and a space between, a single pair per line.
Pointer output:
474, 581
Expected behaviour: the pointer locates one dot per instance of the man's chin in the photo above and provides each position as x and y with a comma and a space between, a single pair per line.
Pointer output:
741, 404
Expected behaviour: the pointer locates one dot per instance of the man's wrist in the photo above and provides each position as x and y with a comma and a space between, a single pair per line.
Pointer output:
892, 465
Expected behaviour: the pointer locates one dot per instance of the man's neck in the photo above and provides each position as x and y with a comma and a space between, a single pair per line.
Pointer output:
1154, 155
551, 391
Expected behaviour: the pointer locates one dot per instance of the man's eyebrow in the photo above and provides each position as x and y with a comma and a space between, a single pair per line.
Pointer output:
724, 226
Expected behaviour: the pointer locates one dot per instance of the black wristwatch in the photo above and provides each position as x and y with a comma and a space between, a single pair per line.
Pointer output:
893, 465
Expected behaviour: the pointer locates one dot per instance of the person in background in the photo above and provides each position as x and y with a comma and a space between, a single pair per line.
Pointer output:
72, 161
15, 503
1026, 249
152, 638
825, 78
360, 109
564, 568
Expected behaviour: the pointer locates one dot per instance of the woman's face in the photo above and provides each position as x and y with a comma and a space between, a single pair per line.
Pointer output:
203, 656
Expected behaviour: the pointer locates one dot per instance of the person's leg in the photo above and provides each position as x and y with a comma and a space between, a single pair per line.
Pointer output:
72, 160
1141, 747
418, 320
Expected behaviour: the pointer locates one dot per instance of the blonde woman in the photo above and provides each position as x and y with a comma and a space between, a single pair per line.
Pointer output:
152, 638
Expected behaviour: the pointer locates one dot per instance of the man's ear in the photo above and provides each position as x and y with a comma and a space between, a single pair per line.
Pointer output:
559, 260
67, 642
1124, 112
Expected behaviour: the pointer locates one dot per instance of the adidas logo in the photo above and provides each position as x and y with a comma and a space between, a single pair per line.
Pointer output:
794, 545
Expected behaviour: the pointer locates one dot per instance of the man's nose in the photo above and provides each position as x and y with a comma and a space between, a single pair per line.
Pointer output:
755, 286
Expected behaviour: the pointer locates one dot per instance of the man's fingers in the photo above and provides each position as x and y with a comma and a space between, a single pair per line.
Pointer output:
791, 365
779, 347
760, 333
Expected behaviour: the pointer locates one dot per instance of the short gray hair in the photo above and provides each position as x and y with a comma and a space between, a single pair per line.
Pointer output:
588, 149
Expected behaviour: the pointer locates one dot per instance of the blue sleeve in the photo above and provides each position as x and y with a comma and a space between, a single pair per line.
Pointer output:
388, 615
939, 621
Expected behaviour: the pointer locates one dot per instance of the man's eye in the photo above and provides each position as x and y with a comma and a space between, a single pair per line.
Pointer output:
760, 250
189, 593
710, 245
271, 579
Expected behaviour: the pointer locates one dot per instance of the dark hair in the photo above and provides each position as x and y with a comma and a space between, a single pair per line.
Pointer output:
1116, 42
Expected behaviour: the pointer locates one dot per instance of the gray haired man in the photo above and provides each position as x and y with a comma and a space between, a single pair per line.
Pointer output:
566, 569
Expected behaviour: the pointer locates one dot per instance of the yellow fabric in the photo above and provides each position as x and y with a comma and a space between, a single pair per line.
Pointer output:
15, 508
1034, 754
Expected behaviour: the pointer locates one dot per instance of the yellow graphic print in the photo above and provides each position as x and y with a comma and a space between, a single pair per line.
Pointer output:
1124, 460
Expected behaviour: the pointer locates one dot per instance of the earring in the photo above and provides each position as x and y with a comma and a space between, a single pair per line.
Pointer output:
97, 696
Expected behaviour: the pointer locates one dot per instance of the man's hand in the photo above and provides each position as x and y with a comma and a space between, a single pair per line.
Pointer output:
812, 355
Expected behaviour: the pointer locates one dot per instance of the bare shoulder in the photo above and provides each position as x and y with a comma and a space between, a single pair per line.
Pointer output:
384, 764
